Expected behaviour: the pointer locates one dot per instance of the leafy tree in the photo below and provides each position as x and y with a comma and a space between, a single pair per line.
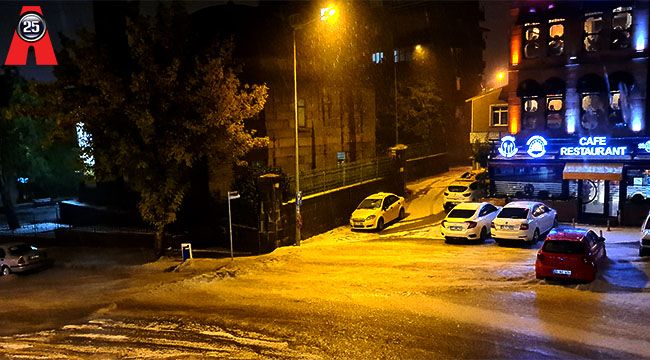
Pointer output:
422, 113
170, 112
30, 148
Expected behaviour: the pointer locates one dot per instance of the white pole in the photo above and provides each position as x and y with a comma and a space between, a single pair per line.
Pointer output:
232, 257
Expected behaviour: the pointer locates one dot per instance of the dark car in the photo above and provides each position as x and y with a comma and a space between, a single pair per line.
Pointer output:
20, 257
570, 253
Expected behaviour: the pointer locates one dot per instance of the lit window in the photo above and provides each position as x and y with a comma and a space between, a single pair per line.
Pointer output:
302, 122
593, 26
499, 115
554, 105
621, 26
592, 111
530, 105
532, 47
378, 57
556, 37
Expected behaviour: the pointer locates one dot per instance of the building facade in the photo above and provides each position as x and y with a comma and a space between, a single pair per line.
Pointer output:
577, 109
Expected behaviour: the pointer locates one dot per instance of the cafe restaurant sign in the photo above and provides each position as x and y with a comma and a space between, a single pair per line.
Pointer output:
585, 147
593, 146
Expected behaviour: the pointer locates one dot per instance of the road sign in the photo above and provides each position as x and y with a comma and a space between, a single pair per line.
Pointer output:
233, 195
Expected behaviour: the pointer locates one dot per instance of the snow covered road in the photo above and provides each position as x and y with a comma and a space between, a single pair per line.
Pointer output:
402, 293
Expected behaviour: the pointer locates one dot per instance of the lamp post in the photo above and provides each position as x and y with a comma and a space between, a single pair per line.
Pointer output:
232, 195
325, 14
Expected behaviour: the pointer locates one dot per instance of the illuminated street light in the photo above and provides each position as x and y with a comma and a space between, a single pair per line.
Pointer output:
327, 14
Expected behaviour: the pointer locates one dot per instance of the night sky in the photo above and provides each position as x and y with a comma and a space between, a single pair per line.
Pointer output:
69, 16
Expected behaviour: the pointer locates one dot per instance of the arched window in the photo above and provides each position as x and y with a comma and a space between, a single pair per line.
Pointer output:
532, 43
593, 25
621, 34
556, 37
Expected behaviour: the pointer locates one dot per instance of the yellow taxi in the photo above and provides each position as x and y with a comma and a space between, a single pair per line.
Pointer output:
377, 210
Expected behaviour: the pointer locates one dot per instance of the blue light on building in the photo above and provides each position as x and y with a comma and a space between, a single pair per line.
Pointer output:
641, 30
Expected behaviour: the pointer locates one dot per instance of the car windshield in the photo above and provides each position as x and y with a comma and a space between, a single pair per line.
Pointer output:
370, 204
21, 249
461, 213
457, 188
513, 213
563, 247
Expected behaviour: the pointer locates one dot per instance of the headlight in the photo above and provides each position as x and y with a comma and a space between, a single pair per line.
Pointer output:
371, 217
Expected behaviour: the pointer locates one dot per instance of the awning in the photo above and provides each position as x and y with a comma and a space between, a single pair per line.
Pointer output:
586, 171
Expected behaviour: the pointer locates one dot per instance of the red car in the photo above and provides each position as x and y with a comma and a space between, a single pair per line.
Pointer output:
570, 253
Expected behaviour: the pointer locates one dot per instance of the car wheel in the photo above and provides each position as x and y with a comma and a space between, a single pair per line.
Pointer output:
5, 271
484, 234
380, 224
535, 236
401, 214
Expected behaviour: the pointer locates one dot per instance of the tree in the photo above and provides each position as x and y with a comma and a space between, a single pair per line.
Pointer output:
422, 113
30, 148
170, 112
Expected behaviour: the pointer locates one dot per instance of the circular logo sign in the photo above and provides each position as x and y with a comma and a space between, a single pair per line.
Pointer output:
536, 146
31, 27
508, 148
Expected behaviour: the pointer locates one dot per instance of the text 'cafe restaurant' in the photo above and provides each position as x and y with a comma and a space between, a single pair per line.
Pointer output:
590, 179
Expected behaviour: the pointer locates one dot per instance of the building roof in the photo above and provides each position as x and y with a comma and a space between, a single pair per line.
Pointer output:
486, 93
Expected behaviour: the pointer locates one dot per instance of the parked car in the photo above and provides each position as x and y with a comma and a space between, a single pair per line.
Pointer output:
570, 253
644, 243
469, 221
377, 210
462, 191
20, 257
523, 221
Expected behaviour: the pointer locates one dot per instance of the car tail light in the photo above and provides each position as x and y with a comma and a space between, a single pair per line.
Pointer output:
523, 227
471, 224
446, 193
493, 226
21, 261
540, 257
443, 223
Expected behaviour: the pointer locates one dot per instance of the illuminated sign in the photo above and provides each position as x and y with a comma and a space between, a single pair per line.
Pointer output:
593, 146
508, 148
645, 146
536, 146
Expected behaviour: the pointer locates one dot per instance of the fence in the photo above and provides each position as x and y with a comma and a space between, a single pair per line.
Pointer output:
316, 181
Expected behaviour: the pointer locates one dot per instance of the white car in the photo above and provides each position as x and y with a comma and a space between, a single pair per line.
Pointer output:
469, 221
523, 221
462, 191
644, 243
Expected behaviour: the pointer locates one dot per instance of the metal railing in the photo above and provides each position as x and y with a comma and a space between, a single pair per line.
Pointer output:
315, 181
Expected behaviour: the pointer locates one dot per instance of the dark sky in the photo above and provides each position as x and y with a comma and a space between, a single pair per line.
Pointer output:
69, 16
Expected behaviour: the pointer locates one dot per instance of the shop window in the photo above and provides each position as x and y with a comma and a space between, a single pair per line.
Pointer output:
592, 111
621, 28
302, 121
556, 37
638, 185
530, 105
532, 46
554, 111
499, 115
593, 25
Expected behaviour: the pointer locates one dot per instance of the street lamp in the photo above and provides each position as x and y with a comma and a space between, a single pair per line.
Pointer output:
326, 14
